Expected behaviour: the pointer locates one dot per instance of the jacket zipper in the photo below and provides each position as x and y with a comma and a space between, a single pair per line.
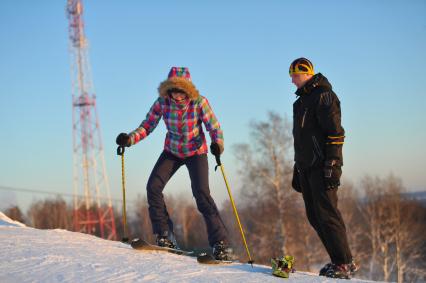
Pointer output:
303, 118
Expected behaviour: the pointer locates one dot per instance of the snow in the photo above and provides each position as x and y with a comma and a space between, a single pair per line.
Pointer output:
33, 255
6, 221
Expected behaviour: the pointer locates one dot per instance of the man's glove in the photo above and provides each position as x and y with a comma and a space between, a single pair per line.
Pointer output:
332, 173
216, 148
123, 139
295, 183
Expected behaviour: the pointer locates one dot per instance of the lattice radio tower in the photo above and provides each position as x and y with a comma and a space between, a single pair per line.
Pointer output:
92, 214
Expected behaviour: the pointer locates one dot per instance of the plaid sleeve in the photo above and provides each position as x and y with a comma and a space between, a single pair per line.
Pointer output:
148, 125
211, 122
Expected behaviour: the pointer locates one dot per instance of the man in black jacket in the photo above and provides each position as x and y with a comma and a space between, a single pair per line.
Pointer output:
318, 140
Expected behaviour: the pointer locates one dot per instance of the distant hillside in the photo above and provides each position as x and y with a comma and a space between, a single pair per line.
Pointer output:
418, 196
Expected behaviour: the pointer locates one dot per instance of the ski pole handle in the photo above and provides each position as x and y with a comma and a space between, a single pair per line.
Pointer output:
120, 150
219, 163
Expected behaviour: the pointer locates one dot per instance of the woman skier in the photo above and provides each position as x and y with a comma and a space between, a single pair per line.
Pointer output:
183, 111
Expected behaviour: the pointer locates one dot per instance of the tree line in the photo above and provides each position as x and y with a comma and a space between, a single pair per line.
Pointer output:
386, 231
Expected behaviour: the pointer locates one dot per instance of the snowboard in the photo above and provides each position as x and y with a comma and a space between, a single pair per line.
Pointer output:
209, 259
140, 244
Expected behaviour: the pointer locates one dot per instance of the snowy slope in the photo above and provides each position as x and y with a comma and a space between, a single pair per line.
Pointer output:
32, 255
6, 221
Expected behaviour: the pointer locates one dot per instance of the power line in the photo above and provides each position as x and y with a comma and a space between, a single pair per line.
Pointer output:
6, 188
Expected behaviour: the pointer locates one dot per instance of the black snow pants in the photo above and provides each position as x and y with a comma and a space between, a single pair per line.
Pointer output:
323, 214
164, 169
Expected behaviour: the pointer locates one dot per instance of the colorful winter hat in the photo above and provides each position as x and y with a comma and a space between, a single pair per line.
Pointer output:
301, 66
179, 78
181, 72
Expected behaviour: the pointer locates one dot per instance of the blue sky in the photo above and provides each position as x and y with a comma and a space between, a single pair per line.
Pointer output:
238, 52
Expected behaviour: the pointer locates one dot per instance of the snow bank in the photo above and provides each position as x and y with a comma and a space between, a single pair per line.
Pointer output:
6, 221
32, 255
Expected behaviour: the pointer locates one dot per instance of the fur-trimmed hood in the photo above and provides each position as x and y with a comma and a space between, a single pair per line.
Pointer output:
181, 83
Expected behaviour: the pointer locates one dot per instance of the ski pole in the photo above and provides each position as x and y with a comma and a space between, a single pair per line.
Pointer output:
125, 239
219, 163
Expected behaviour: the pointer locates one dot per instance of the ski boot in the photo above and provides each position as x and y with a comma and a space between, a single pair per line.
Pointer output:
340, 271
166, 240
282, 266
221, 251
325, 268
353, 267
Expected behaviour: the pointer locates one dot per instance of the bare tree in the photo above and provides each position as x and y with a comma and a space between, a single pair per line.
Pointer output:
409, 230
273, 212
395, 230
14, 213
50, 214
266, 169
380, 232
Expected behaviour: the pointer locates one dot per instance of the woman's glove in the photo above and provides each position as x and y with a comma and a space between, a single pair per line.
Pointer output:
123, 139
216, 148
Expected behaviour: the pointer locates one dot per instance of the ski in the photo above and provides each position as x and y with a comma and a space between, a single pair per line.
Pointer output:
203, 258
140, 244
209, 259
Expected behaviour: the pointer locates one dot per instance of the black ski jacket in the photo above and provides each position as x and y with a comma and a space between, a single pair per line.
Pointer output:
317, 130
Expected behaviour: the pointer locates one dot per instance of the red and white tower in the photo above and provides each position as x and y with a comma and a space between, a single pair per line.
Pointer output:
93, 213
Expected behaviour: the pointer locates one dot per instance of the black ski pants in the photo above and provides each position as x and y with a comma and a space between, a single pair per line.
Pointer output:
164, 169
323, 214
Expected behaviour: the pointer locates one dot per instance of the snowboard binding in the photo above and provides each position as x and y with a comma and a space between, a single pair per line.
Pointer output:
283, 266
